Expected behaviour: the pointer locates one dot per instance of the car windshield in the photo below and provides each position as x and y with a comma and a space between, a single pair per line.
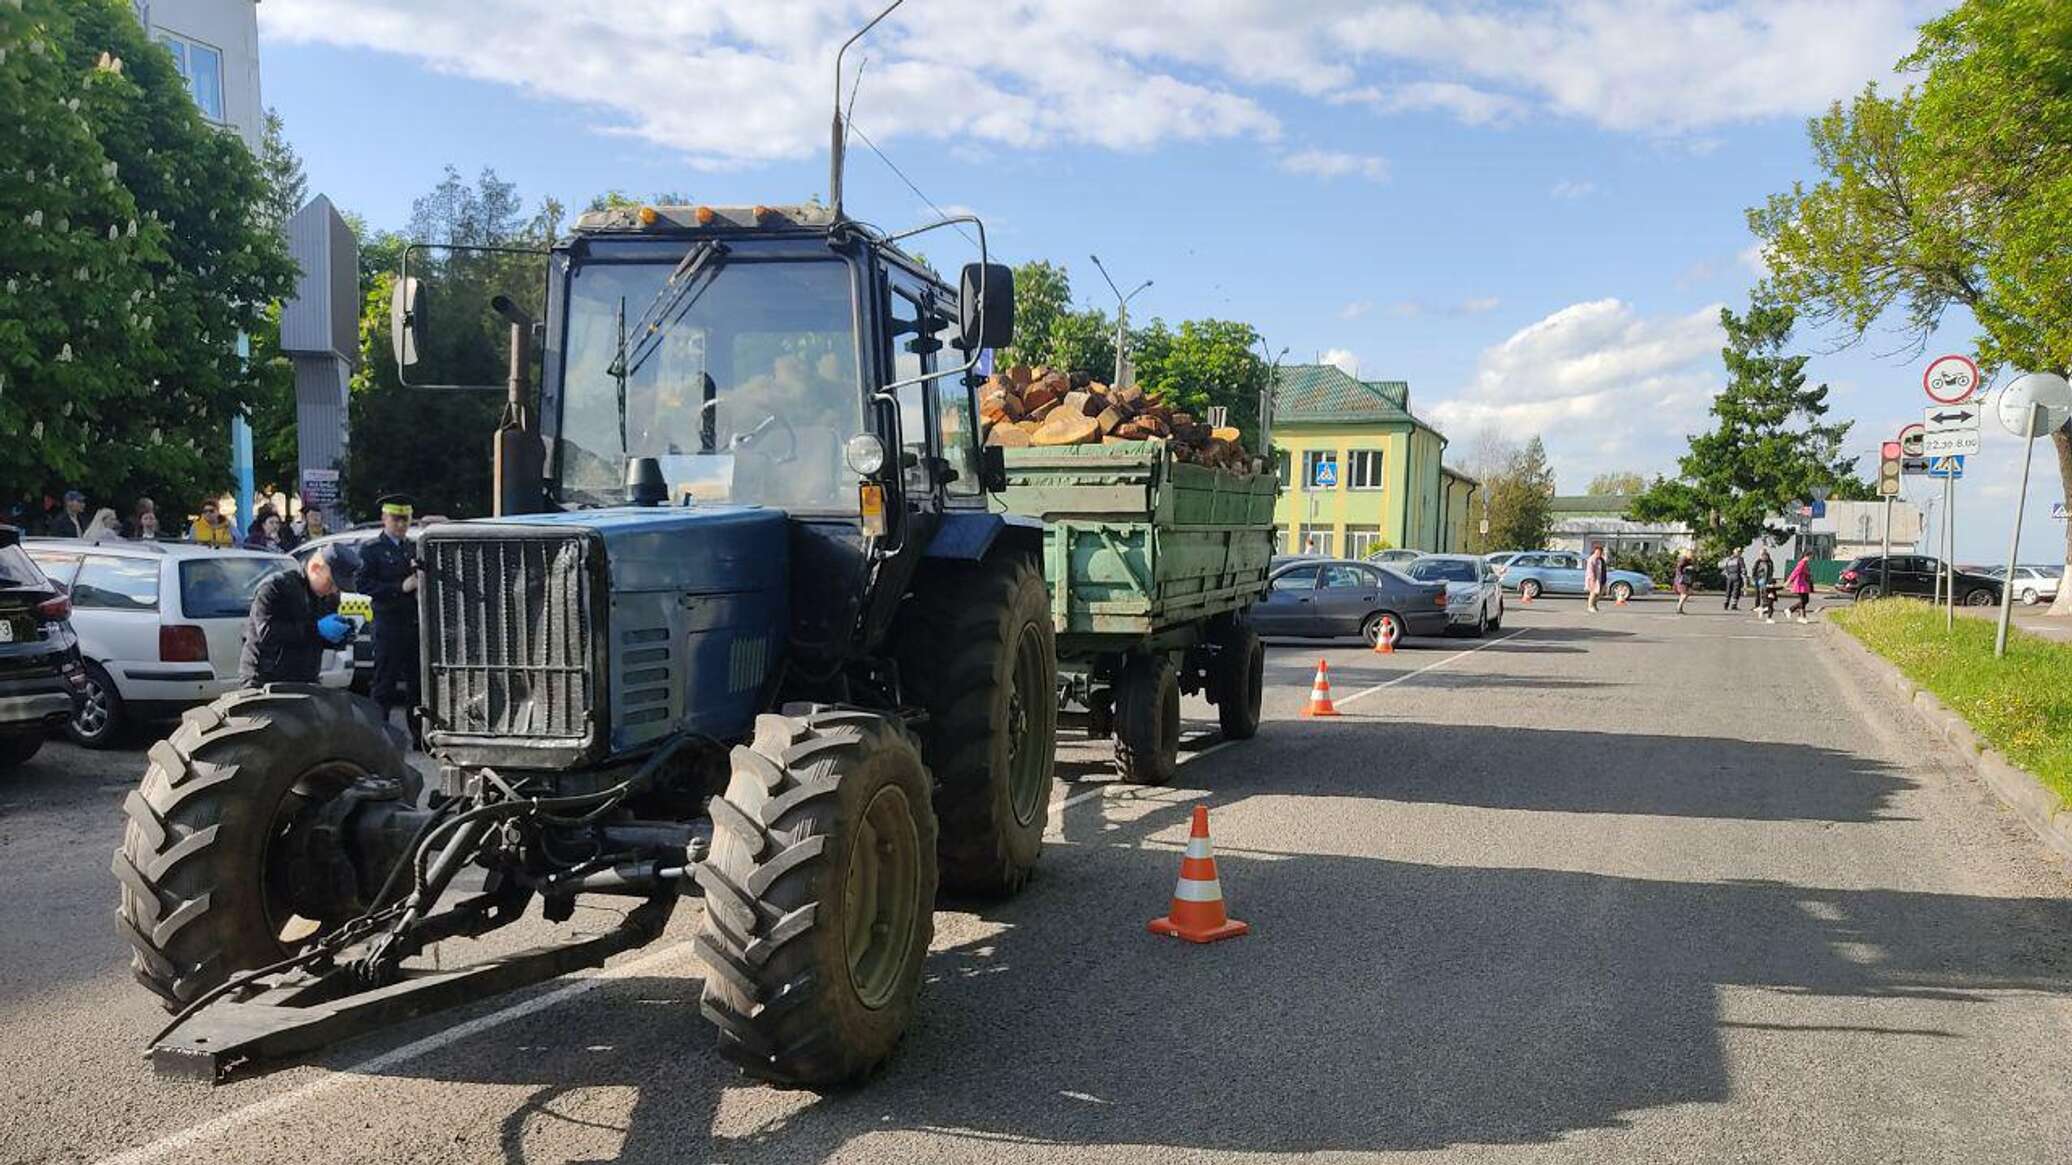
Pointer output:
739, 377
18, 571
1443, 570
221, 588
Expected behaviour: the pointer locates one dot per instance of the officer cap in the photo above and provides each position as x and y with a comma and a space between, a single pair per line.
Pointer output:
397, 504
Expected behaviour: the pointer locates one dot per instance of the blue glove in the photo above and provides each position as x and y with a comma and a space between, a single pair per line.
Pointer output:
334, 629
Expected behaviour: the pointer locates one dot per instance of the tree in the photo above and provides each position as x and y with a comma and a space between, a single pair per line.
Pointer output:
1616, 484
1769, 450
1202, 364
1520, 500
1042, 294
287, 188
1954, 193
134, 256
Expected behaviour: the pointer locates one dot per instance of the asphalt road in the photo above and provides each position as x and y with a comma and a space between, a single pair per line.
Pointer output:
1630, 886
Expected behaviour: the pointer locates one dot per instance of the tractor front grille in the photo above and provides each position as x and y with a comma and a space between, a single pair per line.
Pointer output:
510, 637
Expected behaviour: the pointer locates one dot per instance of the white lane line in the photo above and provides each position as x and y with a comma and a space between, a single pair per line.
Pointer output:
1428, 667
1057, 807
175, 1143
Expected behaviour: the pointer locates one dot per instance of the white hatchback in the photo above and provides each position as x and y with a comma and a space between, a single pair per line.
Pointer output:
160, 625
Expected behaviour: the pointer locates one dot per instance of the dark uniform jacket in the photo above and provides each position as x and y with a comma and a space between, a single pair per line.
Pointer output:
281, 643
384, 566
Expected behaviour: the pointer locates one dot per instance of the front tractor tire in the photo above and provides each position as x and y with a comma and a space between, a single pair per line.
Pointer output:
819, 896
204, 860
978, 652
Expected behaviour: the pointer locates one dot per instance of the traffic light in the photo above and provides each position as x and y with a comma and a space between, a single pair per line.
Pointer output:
1888, 469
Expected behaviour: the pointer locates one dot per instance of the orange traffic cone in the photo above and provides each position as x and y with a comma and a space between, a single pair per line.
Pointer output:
1618, 598
1197, 912
1385, 640
1524, 597
1320, 693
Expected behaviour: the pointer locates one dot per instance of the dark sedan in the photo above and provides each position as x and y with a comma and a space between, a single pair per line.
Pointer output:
1326, 598
1913, 574
40, 677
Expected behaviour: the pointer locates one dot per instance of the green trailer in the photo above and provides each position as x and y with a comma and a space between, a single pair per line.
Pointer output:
1152, 564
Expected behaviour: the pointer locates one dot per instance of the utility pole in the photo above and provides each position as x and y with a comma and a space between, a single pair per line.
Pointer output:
1122, 315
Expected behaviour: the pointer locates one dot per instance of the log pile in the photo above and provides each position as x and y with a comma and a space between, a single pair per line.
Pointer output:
1039, 407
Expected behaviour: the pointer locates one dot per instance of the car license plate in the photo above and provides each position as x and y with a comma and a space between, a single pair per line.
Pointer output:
6, 631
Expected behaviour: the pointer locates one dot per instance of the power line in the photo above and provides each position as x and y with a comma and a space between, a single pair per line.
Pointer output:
958, 227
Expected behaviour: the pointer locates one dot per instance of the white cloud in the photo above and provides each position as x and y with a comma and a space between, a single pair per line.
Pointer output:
1355, 309
1572, 188
1605, 386
1329, 164
730, 84
1343, 358
1754, 259
1474, 305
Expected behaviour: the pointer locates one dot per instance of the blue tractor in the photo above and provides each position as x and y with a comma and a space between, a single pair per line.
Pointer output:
744, 627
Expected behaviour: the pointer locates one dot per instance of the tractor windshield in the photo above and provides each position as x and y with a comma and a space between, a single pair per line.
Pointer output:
738, 375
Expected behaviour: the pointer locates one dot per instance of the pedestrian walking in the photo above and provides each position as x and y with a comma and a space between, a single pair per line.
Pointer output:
294, 617
1800, 583
1685, 579
1594, 571
388, 576
1764, 575
212, 528
70, 522
265, 533
1734, 569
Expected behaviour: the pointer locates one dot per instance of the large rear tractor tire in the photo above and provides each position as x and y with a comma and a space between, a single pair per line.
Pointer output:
205, 894
1147, 720
819, 896
1237, 680
17, 749
978, 653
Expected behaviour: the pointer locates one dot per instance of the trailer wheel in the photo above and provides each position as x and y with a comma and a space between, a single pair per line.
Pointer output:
1147, 720
1238, 681
819, 896
977, 649
17, 749
203, 863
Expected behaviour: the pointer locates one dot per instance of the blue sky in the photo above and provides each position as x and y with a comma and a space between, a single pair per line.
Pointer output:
1530, 211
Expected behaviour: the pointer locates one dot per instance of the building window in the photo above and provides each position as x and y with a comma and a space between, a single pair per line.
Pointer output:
1314, 540
1360, 541
1363, 469
1320, 469
202, 67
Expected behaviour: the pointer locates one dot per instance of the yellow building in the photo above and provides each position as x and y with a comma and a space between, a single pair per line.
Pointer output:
1359, 471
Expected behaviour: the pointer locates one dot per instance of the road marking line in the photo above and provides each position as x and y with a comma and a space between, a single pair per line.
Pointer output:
1420, 671
258, 1110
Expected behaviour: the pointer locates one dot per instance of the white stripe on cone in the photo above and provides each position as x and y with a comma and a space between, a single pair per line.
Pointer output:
1198, 847
1190, 890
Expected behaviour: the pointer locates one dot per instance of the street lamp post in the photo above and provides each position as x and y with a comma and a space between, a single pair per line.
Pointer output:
1122, 315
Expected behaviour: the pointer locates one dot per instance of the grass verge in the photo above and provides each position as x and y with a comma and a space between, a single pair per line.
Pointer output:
2021, 705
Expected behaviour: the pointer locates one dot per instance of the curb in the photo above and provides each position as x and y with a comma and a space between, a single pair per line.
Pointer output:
2016, 787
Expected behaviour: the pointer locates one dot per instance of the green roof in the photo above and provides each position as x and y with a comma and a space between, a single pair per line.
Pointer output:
1613, 505
1312, 394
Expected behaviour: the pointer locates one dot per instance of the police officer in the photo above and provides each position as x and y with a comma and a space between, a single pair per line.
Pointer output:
294, 617
389, 577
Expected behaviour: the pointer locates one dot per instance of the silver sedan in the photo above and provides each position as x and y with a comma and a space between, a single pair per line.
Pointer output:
1474, 597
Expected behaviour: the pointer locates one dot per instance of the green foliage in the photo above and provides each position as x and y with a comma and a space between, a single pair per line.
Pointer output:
1042, 294
1616, 484
1520, 500
1769, 449
1082, 341
134, 253
1204, 363
2021, 704
287, 188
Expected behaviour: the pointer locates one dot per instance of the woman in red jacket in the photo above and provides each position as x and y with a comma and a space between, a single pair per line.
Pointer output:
1800, 583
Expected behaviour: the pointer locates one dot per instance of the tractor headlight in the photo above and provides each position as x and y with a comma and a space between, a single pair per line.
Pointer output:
865, 454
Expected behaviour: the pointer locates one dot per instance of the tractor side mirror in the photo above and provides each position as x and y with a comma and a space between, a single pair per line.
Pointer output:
985, 306
407, 320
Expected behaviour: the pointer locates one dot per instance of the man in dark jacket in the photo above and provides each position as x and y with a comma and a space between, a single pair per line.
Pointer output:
295, 618
389, 577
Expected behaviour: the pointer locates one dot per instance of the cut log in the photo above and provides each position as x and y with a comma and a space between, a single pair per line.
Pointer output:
1066, 428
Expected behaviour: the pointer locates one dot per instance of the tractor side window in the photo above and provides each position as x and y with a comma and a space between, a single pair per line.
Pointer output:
906, 312
953, 406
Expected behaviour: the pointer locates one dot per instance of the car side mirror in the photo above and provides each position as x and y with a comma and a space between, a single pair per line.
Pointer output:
985, 306
407, 320
992, 468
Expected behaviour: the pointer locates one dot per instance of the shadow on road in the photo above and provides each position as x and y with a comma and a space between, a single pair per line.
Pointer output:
1378, 1005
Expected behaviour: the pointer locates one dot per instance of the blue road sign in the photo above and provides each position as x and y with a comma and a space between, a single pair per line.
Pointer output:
1325, 475
1951, 466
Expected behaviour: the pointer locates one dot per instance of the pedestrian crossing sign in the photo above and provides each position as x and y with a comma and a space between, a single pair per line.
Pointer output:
1325, 474
1951, 466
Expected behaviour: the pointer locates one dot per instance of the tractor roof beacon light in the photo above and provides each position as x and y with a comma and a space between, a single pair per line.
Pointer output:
645, 485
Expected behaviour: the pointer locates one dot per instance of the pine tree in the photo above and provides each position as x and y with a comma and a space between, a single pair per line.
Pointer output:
1520, 500
1771, 445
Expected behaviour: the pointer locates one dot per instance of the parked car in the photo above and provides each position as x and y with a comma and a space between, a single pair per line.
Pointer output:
2033, 584
40, 677
1558, 572
160, 626
1325, 598
1397, 557
1500, 560
1474, 597
1913, 574
353, 604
